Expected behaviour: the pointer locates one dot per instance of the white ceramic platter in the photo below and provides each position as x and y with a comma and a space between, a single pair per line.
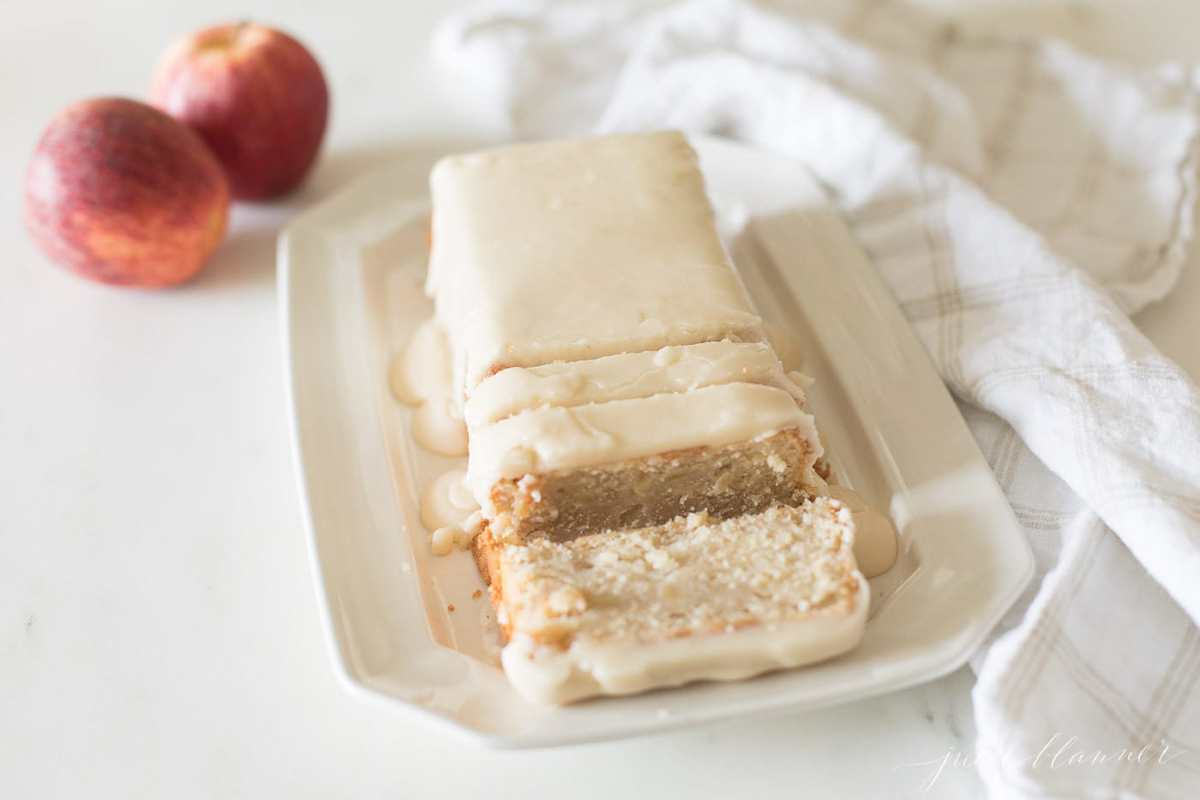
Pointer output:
350, 273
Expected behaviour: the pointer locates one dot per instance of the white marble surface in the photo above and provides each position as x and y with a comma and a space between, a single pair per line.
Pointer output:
158, 625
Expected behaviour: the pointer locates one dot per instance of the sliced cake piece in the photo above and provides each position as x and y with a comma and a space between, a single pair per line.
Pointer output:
563, 472
576, 249
630, 610
626, 376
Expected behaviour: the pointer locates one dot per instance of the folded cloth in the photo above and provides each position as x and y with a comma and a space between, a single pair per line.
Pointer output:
1021, 200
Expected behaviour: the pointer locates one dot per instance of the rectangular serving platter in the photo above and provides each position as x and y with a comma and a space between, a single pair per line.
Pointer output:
350, 277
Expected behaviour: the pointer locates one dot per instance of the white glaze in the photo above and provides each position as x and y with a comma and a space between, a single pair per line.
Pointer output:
569, 250
876, 544
625, 376
422, 370
447, 539
421, 376
447, 501
437, 428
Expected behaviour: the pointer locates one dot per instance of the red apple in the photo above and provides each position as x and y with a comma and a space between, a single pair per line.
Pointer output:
121, 193
258, 98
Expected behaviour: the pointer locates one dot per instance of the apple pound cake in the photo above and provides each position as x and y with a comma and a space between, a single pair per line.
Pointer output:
695, 598
645, 469
611, 370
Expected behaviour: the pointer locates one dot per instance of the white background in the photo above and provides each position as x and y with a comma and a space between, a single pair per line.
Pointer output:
159, 634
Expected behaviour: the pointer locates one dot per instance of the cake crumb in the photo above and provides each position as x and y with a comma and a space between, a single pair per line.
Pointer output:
450, 607
689, 576
478, 593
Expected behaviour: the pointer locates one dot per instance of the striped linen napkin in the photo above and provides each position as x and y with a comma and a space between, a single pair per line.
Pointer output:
1021, 200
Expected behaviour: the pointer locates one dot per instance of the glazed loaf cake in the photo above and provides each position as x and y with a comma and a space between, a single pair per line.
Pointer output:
611, 370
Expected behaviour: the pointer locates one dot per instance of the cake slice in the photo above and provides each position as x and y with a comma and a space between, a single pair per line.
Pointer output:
695, 598
577, 249
626, 376
561, 472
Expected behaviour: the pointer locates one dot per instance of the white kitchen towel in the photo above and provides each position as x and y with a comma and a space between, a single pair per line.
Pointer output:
1021, 200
